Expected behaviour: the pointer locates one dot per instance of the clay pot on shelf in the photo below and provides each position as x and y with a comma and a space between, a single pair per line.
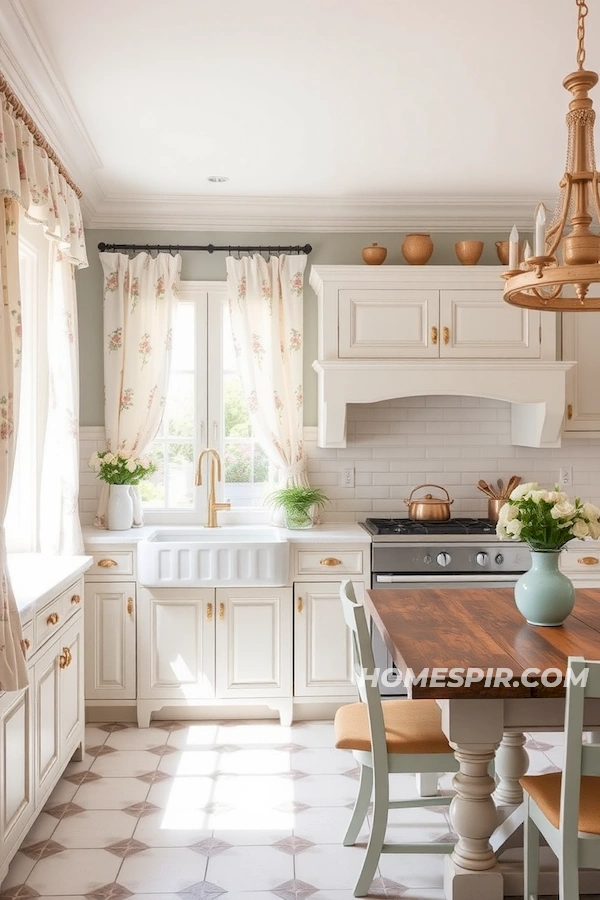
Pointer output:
417, 249
468, 252
374, 255
502, 251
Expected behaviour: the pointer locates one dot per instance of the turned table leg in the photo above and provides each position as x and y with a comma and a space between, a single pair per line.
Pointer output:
512, 761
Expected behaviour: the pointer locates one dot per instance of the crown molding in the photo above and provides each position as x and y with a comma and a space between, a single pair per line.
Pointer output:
304, 214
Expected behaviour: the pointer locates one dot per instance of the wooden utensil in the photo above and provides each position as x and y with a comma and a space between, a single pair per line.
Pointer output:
500, 487
484, 486
513, 482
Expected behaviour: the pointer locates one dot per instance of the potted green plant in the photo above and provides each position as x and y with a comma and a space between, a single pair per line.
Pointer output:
299, 504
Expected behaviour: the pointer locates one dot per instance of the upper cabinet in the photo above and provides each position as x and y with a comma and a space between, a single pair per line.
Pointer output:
580, 342
398, 331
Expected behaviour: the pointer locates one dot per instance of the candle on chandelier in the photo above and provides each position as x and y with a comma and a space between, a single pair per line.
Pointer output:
513, 249
540, 230
526, 251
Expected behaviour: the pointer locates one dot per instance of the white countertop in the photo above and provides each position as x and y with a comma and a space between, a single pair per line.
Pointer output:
37, 577
339, 532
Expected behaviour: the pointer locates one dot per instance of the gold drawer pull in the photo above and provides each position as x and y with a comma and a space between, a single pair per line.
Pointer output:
300, 604
588, 560
331, 561
26, 643
107, 563
570, 411
434, 334
65, 659
209, 611
75, 599
130, 606
221, 611
446, 335
52, 619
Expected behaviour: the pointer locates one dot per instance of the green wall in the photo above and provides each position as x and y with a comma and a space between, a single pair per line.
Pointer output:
328, 249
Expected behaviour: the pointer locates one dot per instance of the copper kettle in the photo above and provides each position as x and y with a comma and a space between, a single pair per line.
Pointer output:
429, 508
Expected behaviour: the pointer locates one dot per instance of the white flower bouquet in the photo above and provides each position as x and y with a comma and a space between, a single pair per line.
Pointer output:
546, 520
119, 468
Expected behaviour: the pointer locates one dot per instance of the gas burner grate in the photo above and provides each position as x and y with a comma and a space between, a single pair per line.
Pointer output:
450, 526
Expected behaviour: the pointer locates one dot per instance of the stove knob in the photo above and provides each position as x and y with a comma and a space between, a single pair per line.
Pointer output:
444, 559
427, 559
482, 559
499, 559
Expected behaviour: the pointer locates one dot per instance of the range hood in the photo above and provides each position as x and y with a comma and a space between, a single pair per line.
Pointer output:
535, 389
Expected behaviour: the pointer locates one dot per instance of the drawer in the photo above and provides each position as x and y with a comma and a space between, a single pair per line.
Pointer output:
28, 639
111, 562
585, 563
329, 562
49, 620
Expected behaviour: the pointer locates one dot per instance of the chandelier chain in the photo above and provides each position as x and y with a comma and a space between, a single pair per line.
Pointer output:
583, 11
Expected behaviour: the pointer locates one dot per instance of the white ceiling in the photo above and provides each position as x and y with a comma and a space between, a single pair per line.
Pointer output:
324, 114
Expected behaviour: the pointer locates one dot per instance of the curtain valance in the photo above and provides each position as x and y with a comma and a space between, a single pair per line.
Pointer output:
30, 177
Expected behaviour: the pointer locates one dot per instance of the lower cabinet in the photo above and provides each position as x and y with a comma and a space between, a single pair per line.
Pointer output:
323, 651
203, 644
110, 640
41, 726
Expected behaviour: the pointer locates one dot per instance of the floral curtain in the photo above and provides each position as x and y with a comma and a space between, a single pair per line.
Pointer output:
13, 672
60, 527
266, 306
139, 299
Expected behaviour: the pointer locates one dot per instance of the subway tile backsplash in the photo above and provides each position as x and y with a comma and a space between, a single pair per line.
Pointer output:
397, 444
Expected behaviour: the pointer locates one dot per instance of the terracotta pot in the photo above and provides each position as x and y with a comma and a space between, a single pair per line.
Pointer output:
429, 508
468, 252
417, 249
374, 255
502, 251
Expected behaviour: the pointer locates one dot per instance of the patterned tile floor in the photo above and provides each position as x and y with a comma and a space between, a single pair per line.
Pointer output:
185, 811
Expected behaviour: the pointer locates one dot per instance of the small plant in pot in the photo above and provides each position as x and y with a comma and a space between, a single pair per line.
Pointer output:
299, 504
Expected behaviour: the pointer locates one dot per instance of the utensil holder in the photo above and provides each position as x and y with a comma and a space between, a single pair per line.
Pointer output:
494, 507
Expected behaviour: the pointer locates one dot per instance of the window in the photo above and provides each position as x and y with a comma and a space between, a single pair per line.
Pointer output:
205, 406
22, 515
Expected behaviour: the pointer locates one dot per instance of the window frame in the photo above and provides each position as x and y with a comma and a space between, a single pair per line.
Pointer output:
209, 297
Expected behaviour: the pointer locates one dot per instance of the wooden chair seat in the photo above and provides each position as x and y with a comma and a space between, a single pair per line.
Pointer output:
544, 790
411, 726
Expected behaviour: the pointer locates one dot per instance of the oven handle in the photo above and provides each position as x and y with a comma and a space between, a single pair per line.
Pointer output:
444, 579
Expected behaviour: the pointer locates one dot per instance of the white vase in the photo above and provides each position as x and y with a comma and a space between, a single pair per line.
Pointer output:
138, 510
120, 508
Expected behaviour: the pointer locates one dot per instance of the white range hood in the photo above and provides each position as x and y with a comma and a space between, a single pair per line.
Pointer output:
535, 389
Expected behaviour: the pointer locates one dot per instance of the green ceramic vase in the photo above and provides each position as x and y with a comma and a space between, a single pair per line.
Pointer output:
543, 594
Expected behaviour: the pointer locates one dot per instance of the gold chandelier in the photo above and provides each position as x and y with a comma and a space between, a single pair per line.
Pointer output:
565, 266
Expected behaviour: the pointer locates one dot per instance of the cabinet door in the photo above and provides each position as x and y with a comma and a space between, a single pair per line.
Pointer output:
480, 324
176, 648
322, 643
254, 642
110, 641
16, 772
580, 342
388, 324
71, 691
47, 720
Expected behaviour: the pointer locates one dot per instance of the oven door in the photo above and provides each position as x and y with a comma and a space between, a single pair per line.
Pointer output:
389, 685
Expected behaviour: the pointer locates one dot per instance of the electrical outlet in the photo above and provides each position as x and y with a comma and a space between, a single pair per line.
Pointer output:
565, 476
348, 477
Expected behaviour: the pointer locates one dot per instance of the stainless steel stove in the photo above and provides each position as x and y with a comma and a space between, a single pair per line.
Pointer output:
458, 553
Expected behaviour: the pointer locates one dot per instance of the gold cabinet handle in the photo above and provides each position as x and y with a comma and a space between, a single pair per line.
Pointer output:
107, 563
300, 605
209, 611
65, 658
434, 334
130, 606
52, 619
75, 599
26, 643
331, 561
221, 611
446, 335
570, 411
588, 560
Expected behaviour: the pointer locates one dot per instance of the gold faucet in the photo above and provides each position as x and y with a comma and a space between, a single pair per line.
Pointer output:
214, 475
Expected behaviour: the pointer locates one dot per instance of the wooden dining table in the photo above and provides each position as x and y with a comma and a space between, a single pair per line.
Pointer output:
474, 653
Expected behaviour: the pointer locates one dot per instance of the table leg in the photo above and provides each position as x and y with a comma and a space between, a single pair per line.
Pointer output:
512, 761
472, 870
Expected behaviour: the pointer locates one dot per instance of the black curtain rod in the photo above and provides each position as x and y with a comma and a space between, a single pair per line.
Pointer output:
208, 248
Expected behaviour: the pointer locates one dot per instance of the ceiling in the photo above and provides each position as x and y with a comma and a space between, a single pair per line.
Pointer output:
324, 114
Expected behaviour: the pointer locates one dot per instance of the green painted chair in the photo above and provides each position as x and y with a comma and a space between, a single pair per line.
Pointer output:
565, 806
393, 736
